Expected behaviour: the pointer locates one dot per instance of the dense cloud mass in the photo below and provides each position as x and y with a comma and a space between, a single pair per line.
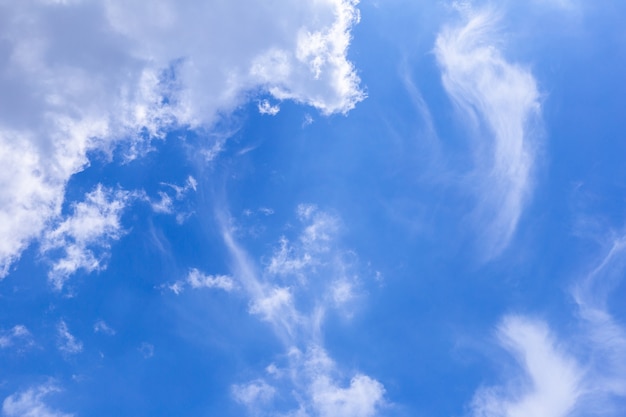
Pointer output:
82, 76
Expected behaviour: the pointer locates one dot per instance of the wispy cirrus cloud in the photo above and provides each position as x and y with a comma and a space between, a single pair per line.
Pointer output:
606, 334
82, 77
197, 280
582, 374
499, 101
66, 341
304, 279
551, 384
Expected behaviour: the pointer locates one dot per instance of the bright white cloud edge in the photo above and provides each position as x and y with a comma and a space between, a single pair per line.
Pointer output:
123, 79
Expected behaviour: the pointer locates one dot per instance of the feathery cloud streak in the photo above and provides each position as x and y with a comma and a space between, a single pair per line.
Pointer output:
500, 101
586, 380
86, 76
293, 293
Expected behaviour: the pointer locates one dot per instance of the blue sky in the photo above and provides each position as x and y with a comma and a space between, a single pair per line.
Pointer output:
312, 209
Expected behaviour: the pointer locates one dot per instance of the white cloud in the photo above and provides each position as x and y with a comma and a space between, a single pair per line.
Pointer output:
197, 279
296, 313
102, 327
589, 379
265, 107
361, 398
82, 76
607, 336
254, 393
93, 224
146, 349
552, 384
500, 101
18, 334
30, 403
67, 342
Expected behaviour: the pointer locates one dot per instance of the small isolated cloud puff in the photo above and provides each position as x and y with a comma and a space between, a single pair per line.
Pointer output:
67, 342
500, 101
552, 384
18, 333
102, 327
197, 279
165, 204
30, 403
89, 76
265, 107
93, 224
146, 349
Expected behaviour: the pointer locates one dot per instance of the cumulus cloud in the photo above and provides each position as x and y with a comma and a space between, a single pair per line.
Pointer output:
84, 236
79, 77
304, 278
31, 403
500, 103
67, 342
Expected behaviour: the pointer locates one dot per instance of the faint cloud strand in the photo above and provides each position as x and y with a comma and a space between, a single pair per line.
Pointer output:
17, 334
301, 282
500, 101
67, 342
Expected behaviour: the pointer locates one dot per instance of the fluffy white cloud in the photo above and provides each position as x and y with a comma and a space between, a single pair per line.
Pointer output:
361, 398
82, 76
265, 107
30, 403
93, 224
500, 102
67, 342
